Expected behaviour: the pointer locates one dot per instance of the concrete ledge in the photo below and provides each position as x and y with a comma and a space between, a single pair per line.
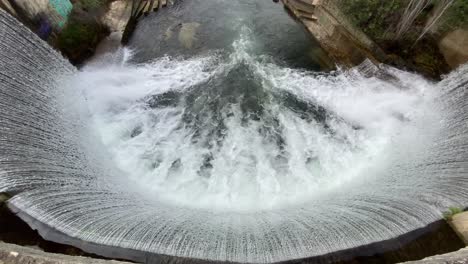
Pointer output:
457, 257
14, 254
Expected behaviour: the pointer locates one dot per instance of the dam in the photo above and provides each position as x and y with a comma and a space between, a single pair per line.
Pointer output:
224, 146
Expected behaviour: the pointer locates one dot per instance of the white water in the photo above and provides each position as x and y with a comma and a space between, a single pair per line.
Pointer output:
389, 155
248, 171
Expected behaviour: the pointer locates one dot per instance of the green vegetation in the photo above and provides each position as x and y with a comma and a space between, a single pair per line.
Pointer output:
76, 32
451, 212
456, 16
78, 39
83, 31
374, 16
380, 21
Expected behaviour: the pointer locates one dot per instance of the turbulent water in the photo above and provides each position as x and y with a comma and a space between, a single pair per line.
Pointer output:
240, 133
228, 155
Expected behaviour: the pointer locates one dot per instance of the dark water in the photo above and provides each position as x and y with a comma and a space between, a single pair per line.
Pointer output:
219, 23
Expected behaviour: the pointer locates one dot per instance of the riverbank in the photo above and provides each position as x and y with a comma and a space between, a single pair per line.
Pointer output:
73, 27
431, 40
83, 31
346, 32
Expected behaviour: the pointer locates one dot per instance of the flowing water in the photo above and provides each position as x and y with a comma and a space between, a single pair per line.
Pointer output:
229, 151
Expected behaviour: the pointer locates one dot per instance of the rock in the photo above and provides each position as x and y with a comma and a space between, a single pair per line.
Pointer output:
187, 34
459, 223
118, 15
454, 47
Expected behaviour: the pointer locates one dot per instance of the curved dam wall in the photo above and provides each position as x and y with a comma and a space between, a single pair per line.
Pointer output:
65, 184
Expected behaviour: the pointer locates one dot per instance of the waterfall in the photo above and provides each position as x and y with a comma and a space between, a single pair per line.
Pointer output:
225, 156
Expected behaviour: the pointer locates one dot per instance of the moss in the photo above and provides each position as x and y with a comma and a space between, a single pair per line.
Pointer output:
451, 212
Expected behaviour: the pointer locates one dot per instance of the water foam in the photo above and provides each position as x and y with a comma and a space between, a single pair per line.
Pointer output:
279, 158
301, 164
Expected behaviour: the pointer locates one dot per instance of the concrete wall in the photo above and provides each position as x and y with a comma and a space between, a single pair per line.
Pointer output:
343, 42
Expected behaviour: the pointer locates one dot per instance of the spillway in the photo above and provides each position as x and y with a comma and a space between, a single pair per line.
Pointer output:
225, 156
